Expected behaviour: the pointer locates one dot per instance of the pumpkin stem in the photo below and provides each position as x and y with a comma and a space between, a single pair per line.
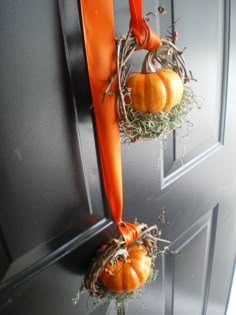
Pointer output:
167, 56
147, 66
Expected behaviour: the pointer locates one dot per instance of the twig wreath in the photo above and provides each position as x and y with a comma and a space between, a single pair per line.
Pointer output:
155, 101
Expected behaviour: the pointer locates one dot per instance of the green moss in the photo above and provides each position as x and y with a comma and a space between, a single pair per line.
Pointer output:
121, 299
145, 126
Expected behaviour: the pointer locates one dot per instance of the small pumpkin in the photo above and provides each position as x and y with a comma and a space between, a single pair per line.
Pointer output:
154, 92
126, 275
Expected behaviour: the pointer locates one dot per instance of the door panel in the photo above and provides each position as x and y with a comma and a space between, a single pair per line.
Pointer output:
207, 56
49, 167
191, 176
34, 128
51, 291
190, 277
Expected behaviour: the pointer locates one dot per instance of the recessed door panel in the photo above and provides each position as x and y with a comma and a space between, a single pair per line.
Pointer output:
206, 53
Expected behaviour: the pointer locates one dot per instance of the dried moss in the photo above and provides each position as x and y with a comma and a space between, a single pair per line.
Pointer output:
145, 126
121, 299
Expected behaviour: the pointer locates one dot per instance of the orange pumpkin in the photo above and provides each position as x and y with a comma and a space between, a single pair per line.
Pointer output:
127, 275
154, 92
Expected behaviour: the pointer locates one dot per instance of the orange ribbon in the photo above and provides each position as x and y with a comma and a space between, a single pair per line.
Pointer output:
98, 28
146, 38
129, 231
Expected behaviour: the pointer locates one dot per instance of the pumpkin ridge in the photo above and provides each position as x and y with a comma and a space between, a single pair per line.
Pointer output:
141, 273
174, 87
162, 94
166, 83
130, 279
137, 263
148, 91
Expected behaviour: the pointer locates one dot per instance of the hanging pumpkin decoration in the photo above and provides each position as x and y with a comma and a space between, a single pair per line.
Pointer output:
155, 101
124, 264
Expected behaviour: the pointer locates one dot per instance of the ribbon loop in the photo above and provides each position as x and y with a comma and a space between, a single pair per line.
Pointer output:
129, 231
146, 38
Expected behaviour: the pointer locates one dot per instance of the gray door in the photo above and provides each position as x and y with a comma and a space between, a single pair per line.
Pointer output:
192, 181
53, 215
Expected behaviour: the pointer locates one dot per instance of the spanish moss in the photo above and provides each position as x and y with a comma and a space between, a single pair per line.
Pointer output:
146, 126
